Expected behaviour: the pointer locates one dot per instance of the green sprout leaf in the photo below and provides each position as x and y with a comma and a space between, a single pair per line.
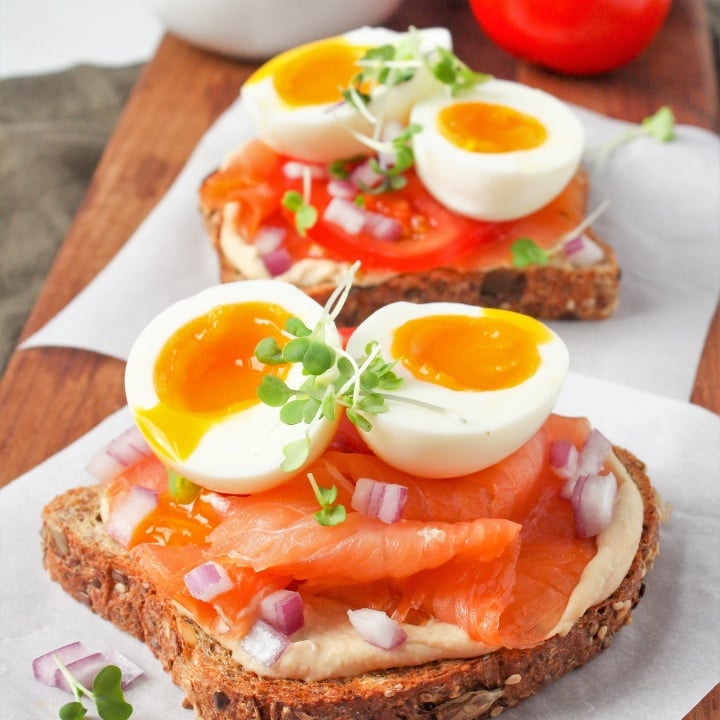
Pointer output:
525, 252
660, 126
295, 454
329, 513
73, 711
451, 71
106, 693
268, 351
273, 391
181, 489
305, 214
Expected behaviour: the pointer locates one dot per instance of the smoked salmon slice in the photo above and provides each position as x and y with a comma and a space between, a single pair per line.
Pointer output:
360, 548
494, 552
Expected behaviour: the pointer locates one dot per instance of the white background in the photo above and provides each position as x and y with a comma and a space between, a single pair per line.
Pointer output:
39, 36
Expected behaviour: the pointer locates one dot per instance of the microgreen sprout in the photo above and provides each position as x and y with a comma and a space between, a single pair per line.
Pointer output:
399, 149
329, 513
333, 377
525, 251
660, 125
106, 693
181, 489
448, 69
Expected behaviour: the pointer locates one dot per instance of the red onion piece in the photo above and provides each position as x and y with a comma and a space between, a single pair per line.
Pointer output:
118, 455
593, 500
130, 512
563, 458
382, 227
265, 643
376, 628
582, 251
83, 666
83, 669
344, 189
346, 215
268, 238
283, 609
295, 170
364, 176
278, 261
45, 667
591, 460
207, 581
384, 501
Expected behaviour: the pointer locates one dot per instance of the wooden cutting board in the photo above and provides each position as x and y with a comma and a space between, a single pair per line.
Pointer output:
51, 396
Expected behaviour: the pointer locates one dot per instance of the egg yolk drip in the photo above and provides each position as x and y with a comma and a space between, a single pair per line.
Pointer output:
461, 352
480, 127
313, 74
207, 370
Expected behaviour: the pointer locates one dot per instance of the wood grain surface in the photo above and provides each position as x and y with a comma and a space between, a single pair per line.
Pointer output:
51, 396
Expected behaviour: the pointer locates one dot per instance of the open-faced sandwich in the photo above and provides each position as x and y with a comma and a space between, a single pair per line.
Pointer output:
447, 185
391, 525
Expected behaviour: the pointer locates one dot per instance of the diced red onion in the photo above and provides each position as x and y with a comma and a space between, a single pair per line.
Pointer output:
593, 500
346, 215
278, 261
384, 501
364, 175
590, 460
563, 458
130, 512
294, 170
118, 455
382, 227
45, 667
583, 251
264, 643
207, 581
344, 189
83, 666
376, 628
268, 238
283, 609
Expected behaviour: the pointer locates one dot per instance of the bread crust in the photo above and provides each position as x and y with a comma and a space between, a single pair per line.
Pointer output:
94, 570
555, 291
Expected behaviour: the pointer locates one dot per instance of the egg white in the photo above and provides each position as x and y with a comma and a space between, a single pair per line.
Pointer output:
242, 452
498, 186
466, 430
321, 133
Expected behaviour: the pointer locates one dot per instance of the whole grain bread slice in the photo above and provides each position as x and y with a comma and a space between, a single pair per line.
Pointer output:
96, 571
557, 290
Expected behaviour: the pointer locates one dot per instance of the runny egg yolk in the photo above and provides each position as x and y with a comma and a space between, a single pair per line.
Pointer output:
463, 352
313, 74
207, 370
481, 127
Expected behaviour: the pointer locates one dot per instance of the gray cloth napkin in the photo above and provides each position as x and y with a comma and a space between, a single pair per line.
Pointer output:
53, 129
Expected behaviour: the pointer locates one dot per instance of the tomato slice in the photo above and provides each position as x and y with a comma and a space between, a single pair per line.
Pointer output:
432, 235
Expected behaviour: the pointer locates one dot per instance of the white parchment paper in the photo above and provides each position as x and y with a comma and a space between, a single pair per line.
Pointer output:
660, 666
663, 221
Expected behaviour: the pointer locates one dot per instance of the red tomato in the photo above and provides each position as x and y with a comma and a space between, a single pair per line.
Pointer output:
578, 37
433, 235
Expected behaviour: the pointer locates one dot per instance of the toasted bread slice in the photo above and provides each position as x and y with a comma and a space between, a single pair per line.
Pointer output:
99, 573
553, 291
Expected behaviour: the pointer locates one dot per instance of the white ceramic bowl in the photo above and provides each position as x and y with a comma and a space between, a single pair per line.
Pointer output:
258, 29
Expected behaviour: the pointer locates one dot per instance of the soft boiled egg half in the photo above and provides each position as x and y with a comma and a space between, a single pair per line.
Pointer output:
295, 103
498, 151
477, 384
191, 383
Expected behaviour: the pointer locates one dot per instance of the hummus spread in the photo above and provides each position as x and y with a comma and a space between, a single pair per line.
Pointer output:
327, 646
